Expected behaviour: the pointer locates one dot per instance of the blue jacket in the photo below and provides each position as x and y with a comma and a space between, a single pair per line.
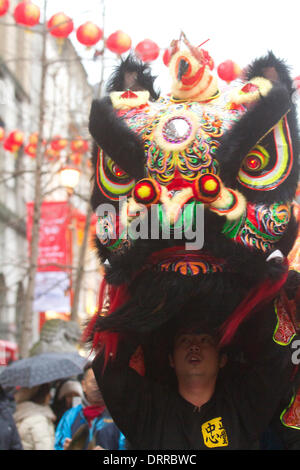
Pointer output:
104, 430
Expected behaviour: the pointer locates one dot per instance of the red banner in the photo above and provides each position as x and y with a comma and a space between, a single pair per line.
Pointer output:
55, 252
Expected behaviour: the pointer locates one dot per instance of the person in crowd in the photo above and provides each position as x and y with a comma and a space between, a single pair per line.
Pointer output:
34, 417
9, 436
66, 391
212, 404
88, 425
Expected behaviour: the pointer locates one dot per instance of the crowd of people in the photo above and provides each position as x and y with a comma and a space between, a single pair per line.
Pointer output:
210, 406
67, 415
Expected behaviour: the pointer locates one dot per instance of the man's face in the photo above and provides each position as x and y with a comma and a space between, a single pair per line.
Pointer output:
196, 355
91, 389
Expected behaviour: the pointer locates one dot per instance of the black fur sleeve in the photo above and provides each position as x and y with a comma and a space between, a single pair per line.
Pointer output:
116, 139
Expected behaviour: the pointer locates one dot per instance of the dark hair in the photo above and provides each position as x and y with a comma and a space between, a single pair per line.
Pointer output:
40, 395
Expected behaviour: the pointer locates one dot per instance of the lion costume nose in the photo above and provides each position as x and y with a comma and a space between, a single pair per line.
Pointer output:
206, 188
147, 191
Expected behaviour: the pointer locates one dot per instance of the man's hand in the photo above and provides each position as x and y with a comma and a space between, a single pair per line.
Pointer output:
98, 448
67, 443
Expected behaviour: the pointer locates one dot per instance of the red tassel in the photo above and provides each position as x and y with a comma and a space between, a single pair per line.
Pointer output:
256, 298
90, 326
105, 339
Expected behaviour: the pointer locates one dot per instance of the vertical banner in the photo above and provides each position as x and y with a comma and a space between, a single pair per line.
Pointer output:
54, 248
52, 290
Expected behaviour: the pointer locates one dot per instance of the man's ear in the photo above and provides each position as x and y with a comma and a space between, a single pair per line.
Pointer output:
171, 362
223, 360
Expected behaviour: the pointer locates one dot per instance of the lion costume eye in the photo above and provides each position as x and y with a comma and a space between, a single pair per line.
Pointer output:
263, 171
115, 169
256, 160
112, 181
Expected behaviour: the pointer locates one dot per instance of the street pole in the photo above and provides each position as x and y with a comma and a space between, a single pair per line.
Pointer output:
80, 267
27, 320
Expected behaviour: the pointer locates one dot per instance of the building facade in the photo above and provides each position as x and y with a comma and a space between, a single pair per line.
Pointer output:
68, 96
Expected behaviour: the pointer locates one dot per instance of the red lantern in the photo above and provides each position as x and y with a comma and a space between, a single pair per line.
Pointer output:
228, 71
79, 145
76, 158
89, 34
27, 14
33, 138
30, 150
297, 83
16, 138
14, 141
147, 50
167, 57
60, 25
4, 6
58, 144
118, 42
51, 154
9, 146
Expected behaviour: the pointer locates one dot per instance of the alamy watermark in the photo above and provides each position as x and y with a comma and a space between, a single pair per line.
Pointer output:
296, 354
153, 223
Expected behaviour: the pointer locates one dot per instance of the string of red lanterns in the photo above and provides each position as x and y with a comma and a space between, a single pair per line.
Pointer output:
26, 13
89, 34
14, 140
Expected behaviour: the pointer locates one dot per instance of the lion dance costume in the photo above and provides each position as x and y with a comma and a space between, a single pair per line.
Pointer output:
207, 183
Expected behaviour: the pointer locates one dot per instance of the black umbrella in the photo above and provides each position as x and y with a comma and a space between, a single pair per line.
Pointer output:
40, 369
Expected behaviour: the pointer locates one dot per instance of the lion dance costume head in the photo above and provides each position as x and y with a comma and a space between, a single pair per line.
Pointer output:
194, 194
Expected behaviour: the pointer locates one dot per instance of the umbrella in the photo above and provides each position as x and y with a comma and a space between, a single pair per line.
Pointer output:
40, 369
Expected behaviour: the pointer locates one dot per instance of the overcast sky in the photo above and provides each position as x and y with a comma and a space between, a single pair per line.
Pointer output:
238, 30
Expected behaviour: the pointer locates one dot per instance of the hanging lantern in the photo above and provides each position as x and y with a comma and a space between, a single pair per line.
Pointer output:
79, 145
2, 133
167, 57
297, 83
118, 42
30, 150
27, 13
33, 138
75, 158
52, 155
8, 145
4, 6
60, 25
147, 50
228, 71
16, 138
89, 34
58, 144
13, 141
